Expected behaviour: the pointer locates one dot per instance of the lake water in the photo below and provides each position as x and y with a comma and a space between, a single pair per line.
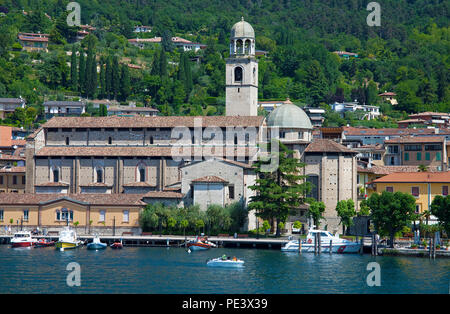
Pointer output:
173, 270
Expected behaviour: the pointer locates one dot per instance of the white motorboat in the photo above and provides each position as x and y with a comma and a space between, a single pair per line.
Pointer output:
338, 245
67, 240
96, 244
22, 239
200, 243
225, 262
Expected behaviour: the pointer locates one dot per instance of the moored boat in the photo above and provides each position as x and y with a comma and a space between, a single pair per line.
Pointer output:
338, 245
22, 239
117, 245
44, 243
96, 244
225, 261
200, 243
67, 240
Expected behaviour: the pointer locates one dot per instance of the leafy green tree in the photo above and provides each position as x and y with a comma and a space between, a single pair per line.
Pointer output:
315, 211
390, 212
440, 207
346, 211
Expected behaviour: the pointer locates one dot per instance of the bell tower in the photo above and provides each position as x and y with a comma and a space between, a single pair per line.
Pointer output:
242, 72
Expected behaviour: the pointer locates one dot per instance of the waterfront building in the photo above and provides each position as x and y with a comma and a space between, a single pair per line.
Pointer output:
424, 186
12, 179
415, 151
93, 212
188, 160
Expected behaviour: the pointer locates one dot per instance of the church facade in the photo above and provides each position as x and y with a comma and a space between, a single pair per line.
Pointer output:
182, 161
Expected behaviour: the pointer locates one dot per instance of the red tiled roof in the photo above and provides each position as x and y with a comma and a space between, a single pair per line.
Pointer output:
139, 184
152, 122
93, 199
327, 146
383, 170
417, 177
209, 179
13, 169
11, 157
352, 131
149, 151
416, 139
163, 194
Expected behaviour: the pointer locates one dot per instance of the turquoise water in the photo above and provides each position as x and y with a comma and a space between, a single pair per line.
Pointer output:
164, 270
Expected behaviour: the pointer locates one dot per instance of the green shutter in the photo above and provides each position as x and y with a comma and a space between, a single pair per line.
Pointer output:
419, 156
427, 156
438, 156
406, 156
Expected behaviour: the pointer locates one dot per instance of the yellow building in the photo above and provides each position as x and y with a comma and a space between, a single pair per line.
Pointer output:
424, 186
12, 180
98, 212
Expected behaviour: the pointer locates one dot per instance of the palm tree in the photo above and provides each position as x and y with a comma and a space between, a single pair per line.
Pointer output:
423, 168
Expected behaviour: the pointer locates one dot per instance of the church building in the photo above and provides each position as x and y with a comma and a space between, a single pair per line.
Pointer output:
181, 161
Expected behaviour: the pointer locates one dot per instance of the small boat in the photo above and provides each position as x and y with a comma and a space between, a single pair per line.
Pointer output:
44, 243
338, 245
225, 262
22, 239
200, 243
96, 244
67, 239
117, 245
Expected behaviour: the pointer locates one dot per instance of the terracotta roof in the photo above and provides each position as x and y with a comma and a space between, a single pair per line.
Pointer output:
428, 113
412, 121
352, 131
18, 142
393, 169
327, 146
139, 184
163, 194
416, 139
93, 199
417, 177
152, 122
11, 157
149, 151
129, 108
96, 184
52, 184
11, 101
13, 169
388, 94
210, 179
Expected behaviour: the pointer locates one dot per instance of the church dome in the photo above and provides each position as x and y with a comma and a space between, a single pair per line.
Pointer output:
242, 29
289, 116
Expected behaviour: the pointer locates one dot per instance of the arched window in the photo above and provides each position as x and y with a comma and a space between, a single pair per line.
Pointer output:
247, 46
99, 175
67, 141
55, 175
151, 140
141, 174
254, 75
110, 140
239, 47
238, 74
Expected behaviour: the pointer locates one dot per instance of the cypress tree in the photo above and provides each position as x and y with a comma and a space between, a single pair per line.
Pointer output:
74, 69
102, 79
125, 83
115, 77
81, 71
156, 65
93, 78
108, 77
163, 64
181, 70
188, 73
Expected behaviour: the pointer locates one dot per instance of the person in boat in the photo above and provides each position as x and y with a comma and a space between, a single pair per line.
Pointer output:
224, 257
234, 258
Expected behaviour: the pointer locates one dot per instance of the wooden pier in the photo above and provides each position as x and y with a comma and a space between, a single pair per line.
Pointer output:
171, 241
